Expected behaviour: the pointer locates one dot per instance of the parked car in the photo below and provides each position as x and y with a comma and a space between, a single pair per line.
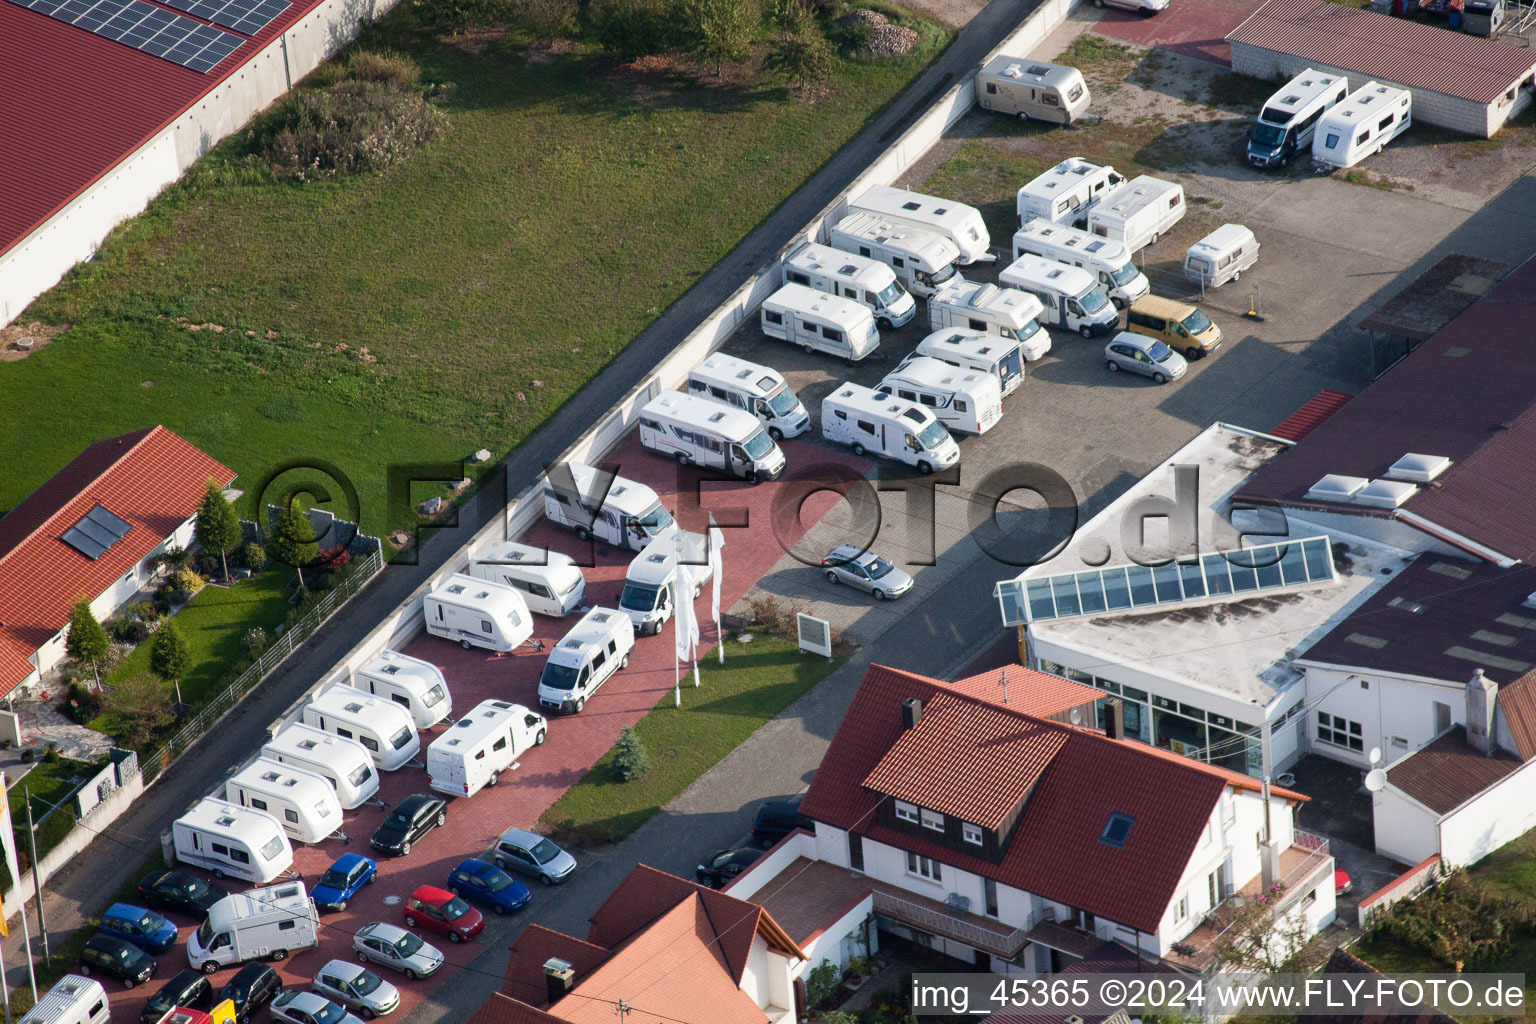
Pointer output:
411, 819
1147, 356
487, 884
1341, 882
342, 880
188, 988
726, 865
119, 958
397, 949
777, 819
180, 892
299, 1007
1145, 8
253, 986
866, 570
144, 928
438, 910
356, 988
531, 854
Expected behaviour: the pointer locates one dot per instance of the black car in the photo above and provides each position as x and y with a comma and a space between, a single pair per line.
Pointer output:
180, 892
107, 954
253, 986
777, 819
726, 865
413, 818
189, 989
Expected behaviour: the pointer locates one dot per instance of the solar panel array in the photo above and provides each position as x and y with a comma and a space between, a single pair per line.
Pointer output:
247, 16
145, 27
96, 531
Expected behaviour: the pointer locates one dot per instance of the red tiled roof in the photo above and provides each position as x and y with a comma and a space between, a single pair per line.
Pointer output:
1517, 700
524, 980
1033, 693
500, 1009
1386, 48
1448, 773
1306, 419
1344, 962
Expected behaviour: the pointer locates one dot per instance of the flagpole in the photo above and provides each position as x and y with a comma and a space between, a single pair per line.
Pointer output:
717, 563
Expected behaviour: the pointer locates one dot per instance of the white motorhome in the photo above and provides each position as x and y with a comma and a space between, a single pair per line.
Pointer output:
1221, 256
872, 423
863, 279
385, 729
1139, 212
584, 659
1069, 298
231, 841
920, 259
760, 390
971, 350
647, 598
989, 309
263, 924
1065, 193
304, 804
819, 322
1288, 118
551, 583
416, 685
478, 613
700, 432
1110, 262
341, 762
970, 401
1032, 88
956, 221
72, 1000
1361, 125
604, 506
473, 752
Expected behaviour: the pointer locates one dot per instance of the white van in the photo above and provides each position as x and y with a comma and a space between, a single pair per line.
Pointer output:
551, 583
1110, 262
970, 401
601, 505
989, 309
473, 752
870, 422
697, 431
1288, 118
647, 598
760, 390
1221, 256
263, 924
304, 804
1032, 88
1138, 212
231, 841
920, 259
970, 350
1361, 125
341, 762
416, 685
384, 728
819, 322
72, 1000
595, 648
478, 613
1069, 298
863, 279
1065, 193
956, 221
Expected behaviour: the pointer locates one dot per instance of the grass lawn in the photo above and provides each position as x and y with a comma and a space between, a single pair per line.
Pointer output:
758, 681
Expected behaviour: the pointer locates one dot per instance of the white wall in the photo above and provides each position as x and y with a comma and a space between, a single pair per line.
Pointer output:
1500, 813
1405, 829
1388, 709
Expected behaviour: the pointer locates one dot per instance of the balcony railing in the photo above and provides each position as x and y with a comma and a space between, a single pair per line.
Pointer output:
999, 942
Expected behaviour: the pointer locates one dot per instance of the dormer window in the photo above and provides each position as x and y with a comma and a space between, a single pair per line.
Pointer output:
932, 819
906, 811
1117, 829
971, 833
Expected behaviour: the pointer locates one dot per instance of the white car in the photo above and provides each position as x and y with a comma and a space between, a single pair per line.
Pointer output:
1145, 8
356, 988
399, 950
308, 1008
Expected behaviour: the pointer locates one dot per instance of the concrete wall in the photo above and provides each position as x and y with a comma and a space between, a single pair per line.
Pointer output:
1407, 885
1500, 813
1405, 829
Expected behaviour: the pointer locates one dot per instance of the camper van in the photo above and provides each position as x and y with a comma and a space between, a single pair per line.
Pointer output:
1065, 193
1006, 312
760, 390
478, 613
971, 350
819, 322
231, 841
647, 597
341, 762
416, 685
876, 424
969, 401
594, 649
384, 728
1288, 118
473, 752
263, 924
1069, 298
551, 583
863, 279
920, 259
304, 804
72, 1000
697, 431
1221, 256
1138, 212
1109, 262
959, 223
604, 507
1032, 89
1360, 125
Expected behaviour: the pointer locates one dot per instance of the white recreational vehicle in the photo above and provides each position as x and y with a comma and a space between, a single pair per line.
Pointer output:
478, 613
231, 841
700, 432
863, 279
989, 309
870, 422
1108, 261
959, 223
473, 752
1065, 193
1032, 88
263, 924
647, 598
760, 390
971, 350
970, 401
819, 322
416, 685
598, 504
1069, 298
1221, 256
1288, 118
1360, 125
584, 659
341, 762
920, 259
304, 804
385, 729
551, 583
72, 1000
1138, 212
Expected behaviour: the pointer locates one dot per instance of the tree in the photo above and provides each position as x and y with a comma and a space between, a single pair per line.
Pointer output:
801, 53
630, 759
630, 29
137, 709
821, 982
293, 538
87, 641
168, 654
722, 30
217, 527
1264, 935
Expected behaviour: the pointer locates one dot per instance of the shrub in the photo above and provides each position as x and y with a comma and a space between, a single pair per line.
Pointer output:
352, 127
146, 611
384, 66
334, 559
630, 29
546, 19
51, 756
80, 703
255, 640
164, 598
28, 755
1461, 922
253, 556
129, 629
189, 581
630, 759
821, 983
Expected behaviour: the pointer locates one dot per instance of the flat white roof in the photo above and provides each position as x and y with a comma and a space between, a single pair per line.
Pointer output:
971, 344
1364, 102
905, 204
1222, 239
1023, 69
824, 258
510, 552
797, 298
1073, 240
694, 411
300, 740
220, 816
1065, 176
753, 377
626, 496
469, 730
266, 775
1302, 90
349, 704
1039, 272
1136, 194
928, 245
926, 371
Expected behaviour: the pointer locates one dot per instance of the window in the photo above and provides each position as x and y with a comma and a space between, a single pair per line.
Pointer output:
1331, 141
1339, 732
1365, 684
239, 856
772, 317
1117, 829
796, 277
932, 819
221, 849
1309, 899
260, 805
1181, 909
906, 811
500, 744
292, 816
992, 88
371, 743
924, 867
989, 896
831, 335
929, 400
1360, 139
287, 925
867, 427
977, 325
960, 405
485, 625
970, 833
897, 261
1400, 742
855, 851
599, 660
1385, 123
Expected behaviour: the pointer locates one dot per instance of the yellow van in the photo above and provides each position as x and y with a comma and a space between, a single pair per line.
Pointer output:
1179, 325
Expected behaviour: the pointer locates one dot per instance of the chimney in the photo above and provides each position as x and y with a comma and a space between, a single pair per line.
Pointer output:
1114, 718
911, 712
559, 979
1482, 695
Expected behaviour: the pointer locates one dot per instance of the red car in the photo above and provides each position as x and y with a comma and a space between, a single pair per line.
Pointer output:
1341, 882
438, 910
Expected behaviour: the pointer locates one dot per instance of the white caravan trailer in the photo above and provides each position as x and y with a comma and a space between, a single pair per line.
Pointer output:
1065, 193
1032, 88
341, 762
1221, 256
231, 841
920, 259
72, 1000
696, 431
760, 390
989, 309
473, 752
585, 658
478, 613
416, 685
819, 322
956, 221
1108, 261
1288, 118
610, 508
970, 401
647, 597
1070, 298
304, 804
1138, 212
970, 350
263, 924
869, 422
551, 583
385, 729
863, 279
1367, 119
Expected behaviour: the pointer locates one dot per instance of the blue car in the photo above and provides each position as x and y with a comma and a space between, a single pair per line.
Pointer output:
488, 884
144, 928
342, 879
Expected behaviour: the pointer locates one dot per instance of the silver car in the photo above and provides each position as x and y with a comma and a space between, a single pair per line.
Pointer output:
356, 988
531, 854
296, 1007
1145, 8
866, 570
397, 949
1146, 356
